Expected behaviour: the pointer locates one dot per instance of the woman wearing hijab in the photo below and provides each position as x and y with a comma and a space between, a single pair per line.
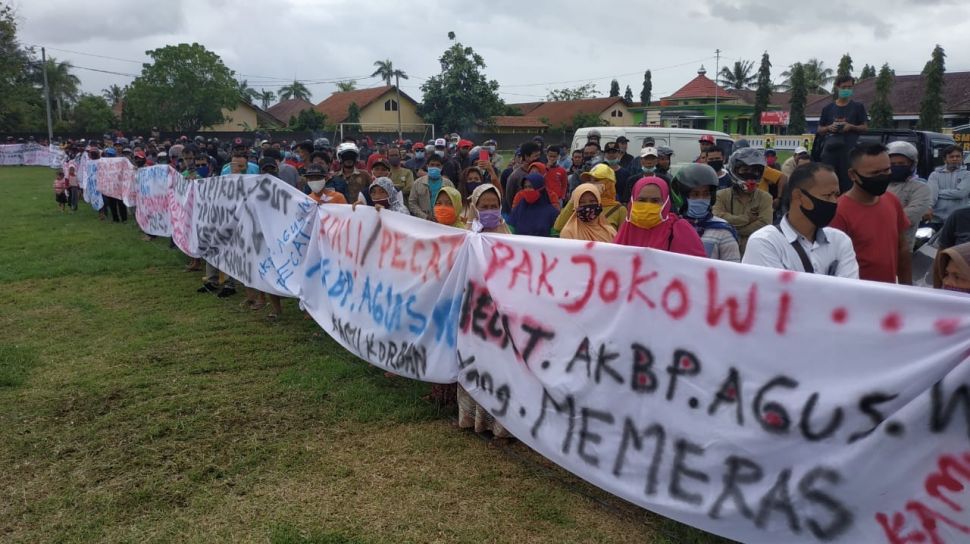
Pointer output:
535, 214
603, 177
485, 205
951, 270
650, 223
448, 209
383, 194
587, 222
697, 186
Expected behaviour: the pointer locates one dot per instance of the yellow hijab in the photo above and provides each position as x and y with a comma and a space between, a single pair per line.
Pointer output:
455, 198
602, 173
598, 230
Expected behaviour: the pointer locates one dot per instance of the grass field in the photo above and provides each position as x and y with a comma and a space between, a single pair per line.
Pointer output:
133, 409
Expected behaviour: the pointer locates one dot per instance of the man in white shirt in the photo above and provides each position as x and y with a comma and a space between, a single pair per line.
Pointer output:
803, 242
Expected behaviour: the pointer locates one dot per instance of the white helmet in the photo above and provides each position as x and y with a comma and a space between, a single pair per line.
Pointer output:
347, 147
905, 149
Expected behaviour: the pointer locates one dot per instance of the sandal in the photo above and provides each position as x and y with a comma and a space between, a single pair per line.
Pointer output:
247, 304
272, 316
256, 305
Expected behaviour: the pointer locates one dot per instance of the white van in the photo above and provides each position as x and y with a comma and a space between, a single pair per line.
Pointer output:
684, 141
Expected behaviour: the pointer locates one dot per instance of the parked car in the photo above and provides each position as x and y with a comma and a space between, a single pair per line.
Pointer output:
684, 141
929, 145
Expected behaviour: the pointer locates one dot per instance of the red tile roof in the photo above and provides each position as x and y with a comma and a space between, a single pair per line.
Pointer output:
335, 106
699, 87
906, 94
526, 107
518, 121
776, 98
556, 113
289, 108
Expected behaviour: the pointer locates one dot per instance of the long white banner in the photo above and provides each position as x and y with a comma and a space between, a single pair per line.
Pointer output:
31, 154
761, 405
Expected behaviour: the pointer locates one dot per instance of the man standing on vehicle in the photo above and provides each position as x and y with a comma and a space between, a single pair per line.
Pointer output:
841, 122
627, 159
913, 193
949, 185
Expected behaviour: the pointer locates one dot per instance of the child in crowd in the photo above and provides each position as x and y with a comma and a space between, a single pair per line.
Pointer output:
60, 191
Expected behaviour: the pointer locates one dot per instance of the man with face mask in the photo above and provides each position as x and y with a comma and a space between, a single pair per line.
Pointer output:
320, 190
416, 163
664, 157
803, 241
714, 158
840, 123
349, 177
646, 166
697, 186
743, 205
400, 175
949, 185
458, 163
913, 193
874, 219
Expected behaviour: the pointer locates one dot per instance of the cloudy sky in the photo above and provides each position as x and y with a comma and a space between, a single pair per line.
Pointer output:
552, 44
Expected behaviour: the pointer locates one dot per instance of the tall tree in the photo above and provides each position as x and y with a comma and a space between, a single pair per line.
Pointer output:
247, 93
845, 66
63, 85
93, 115
628, 94
113, 94
460, 94
881, 110
266, 97
21, 102
931, 108
817, 77
353, 113
614, 88
345, 86
739, 76
184, 88
586, 90
294, 90
387, 72
868, 72
763, 95
647, 89
799, 96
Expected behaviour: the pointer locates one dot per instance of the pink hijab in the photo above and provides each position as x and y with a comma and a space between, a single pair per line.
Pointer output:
672, 234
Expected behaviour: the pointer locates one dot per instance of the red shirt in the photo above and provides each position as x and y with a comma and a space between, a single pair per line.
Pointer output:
557, 180
875, 230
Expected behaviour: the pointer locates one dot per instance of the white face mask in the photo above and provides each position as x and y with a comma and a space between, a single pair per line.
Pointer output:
317, 185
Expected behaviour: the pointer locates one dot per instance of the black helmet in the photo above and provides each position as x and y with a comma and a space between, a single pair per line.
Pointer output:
692, 176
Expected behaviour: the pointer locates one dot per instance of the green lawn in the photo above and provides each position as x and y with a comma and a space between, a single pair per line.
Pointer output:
133, 409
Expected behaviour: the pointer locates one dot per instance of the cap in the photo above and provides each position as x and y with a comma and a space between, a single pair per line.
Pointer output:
419, 145
622, 140
649, 152
611, 146
440, 142
314, 169
664, 151
799, 150
383, 162
706, 139
465, 143
541, 167
380, 141
263, 142
770, 151
593, 133
538, 138
140, 154
237, 142
267, 162
162, 155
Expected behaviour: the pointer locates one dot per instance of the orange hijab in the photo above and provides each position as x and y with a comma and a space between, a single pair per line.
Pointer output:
598, 230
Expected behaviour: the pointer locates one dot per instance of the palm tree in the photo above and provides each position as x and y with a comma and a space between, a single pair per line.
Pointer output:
247, 93
818, 78
386, 71
738, 78
265, 97
344, 86
294, 90
62, 83
114, 94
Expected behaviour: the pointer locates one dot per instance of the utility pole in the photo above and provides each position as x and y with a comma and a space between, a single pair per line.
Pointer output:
47, 95
397, 86
717, 72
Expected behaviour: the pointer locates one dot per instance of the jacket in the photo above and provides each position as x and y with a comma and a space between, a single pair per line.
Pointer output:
950, 190
732, 209
419, 201
915, 196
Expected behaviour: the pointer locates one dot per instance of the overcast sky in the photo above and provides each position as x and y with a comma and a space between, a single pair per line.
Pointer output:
552, 44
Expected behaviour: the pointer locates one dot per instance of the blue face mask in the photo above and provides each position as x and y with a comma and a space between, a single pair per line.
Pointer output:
845, 93
612, 162
434, 172
648, 169
419, 154
202, 171
698, 208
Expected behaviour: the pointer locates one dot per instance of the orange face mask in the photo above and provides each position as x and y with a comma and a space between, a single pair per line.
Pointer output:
445, 215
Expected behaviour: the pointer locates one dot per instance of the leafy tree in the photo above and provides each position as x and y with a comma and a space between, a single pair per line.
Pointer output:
799, 96
587, 90
763, 95
93, 115
344, 86
460, 94
614, 88
294, 90
738, 77
385, 70
881, 111
931, 107
185, 88
21, 102
353, 113
265, 97
114, 94
817, 77
868, 72
628, 94
647, 89
845, 66
247, 93
308, 119
63, 85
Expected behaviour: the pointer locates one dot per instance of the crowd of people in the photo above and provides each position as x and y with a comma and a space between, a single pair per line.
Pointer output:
735, 205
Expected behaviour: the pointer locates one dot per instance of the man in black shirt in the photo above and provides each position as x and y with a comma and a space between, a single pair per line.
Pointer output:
956, 230
841, 123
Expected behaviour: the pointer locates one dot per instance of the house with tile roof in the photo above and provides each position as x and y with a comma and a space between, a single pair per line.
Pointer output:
245, 117
378, 108
288, 109
612, 111
514, 124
